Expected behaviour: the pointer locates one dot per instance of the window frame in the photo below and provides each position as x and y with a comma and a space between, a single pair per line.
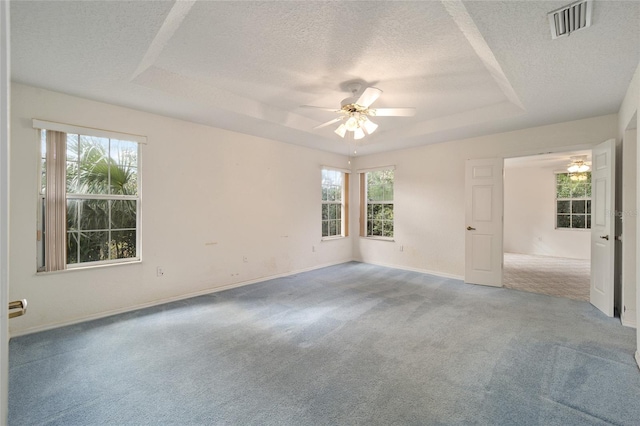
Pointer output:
587, 213
343, 203
42, 126
40, 219
364, 203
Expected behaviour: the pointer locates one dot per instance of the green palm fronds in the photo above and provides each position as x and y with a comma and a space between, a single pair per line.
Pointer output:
100, 229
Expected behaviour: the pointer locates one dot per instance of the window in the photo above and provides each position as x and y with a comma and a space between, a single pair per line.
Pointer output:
89, 199
573, 200
378, 193
335, 185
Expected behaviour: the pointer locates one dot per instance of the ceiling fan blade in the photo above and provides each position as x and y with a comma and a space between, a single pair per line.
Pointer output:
393, 112
369, 96
321, 108
328, 123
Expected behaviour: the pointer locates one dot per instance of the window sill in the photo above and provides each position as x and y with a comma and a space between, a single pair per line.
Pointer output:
89, 267
337, 237
391, 240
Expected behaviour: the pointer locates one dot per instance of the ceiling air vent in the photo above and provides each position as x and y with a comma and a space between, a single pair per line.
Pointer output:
568, 19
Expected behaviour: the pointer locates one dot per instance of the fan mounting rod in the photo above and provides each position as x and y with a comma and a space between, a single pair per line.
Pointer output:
354, 88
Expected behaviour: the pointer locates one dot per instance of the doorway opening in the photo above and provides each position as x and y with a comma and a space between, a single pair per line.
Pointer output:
547, 225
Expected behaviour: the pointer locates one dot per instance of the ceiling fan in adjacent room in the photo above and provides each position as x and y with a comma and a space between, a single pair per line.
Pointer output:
354, 112
578, 167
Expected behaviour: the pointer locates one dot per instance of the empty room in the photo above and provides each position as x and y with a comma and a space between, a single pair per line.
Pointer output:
547, 224
297, 213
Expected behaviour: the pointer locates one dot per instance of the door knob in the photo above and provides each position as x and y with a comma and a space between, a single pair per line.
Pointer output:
19, 308
470, 228
604, 237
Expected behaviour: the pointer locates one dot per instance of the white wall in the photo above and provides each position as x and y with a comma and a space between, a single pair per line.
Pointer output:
529, 216
429, 191
209, 198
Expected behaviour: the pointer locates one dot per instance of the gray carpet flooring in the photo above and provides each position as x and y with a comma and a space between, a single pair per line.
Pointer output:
348, 344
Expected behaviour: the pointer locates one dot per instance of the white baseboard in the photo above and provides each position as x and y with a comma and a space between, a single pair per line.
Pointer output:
628, 318
408, 268
638, 358
112, 312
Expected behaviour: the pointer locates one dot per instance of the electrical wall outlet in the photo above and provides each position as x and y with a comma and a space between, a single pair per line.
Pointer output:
160, 271
245, 259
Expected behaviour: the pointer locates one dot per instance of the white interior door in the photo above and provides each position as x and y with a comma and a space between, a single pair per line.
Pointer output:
602, 225
483, 227
4, 209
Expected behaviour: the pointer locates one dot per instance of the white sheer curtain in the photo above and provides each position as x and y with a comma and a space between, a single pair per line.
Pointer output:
56, 203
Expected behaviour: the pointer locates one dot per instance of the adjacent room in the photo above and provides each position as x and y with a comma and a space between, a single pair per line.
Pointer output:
303, 213
547, 224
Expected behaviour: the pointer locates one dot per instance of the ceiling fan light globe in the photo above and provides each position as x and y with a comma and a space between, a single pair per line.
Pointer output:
583, 168
573, 168
341, 130
358, 133
370, 126
351, 124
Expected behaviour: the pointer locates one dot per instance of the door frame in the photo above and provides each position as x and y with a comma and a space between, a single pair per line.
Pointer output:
529, 153
553, 150
628, 245
5, 86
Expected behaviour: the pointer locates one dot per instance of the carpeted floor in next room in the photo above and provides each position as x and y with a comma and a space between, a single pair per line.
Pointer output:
347, 344
555, 276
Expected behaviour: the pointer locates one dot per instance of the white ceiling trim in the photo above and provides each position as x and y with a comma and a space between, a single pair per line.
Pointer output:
172, 22
465, 23
204, 94
466, 118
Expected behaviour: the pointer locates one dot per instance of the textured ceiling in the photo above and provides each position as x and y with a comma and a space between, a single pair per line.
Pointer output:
469, 68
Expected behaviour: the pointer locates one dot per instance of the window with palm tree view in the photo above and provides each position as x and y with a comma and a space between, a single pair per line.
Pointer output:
100, 189
379, 203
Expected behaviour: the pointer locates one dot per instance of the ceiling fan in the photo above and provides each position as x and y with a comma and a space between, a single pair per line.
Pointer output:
578, 164
355, 111
578, 167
